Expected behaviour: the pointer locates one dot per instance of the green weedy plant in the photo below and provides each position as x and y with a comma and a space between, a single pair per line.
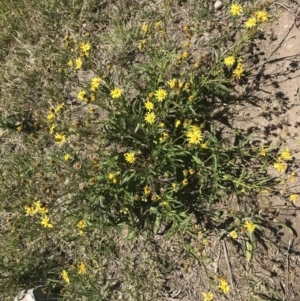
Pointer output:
137, 145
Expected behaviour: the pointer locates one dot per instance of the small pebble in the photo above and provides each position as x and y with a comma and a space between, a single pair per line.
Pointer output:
218, 5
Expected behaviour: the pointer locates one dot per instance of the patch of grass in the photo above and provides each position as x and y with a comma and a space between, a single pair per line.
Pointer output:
113, 127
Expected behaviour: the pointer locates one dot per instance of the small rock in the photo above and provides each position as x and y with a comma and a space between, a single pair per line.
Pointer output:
218, 5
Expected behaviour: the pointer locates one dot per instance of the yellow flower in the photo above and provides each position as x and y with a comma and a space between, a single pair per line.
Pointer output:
286, 155
81, 268
185, 182
208, 296
51, 130
238, 71
250, 226
65, 276
194, 135
45, 221
185, 54
280, 166
192, 171
95, 83
67, 157
236, 9
229, 60
70, 63
78, 63
147, 190
81, 224
44, 210
294, 197
130, 157
251, 22
111, 176
160, 94
172, 83
234, 234
149, 105
150, 117
177, 123
37, 207
261, 16
29, 210
59, 138
85, 48
81, 94
224, 286
145, 27
116, 93
50, 116
262, 152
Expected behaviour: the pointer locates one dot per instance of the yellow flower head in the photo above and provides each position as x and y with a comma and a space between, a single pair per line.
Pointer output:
29, 210
147, 190
236, 9
85, 48
160, 94
229, 60
262, 152
81, 224
208, 296
95, 83
51, 130
130, 157
67, 157
261, 16
81, 94
65, 276
250, 226
70, 63
116, 93
224, 286
149, 105
280, 166
286, 154
50, 116
234, 234
81, 268
45, 221
172, 83
238, 71
59, 138
294, 197
78, 63
150, 117
145, 27
251, 22
194, 135
177, 123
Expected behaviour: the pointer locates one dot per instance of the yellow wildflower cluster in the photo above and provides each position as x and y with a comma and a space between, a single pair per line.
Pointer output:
37, 208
